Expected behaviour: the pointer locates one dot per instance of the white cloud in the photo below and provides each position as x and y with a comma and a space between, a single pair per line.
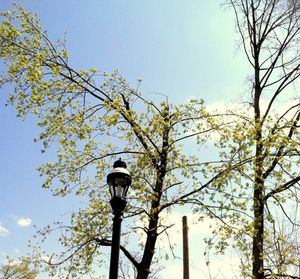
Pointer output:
49, 259
225, 267
278, 108
197, 229
24, 222
3, 231
220, 266
232, 112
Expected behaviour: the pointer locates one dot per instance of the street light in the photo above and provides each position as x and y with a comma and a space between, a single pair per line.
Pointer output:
119, 180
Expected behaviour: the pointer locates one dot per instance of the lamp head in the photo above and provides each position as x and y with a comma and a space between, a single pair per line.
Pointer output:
119, 180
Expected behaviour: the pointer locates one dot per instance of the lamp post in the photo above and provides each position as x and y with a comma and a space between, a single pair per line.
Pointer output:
119, 180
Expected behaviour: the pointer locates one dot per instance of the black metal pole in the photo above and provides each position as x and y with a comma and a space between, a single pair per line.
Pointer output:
118, 206
115, 247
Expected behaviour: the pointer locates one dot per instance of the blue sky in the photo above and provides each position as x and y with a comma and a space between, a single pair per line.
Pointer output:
179, 50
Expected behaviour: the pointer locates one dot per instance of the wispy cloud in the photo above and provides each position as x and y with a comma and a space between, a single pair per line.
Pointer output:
198, 229
24, 222
226, 267
3, 231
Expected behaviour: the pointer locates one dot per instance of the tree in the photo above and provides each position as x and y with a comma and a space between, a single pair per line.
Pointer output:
17, 270
92, 118
265, 141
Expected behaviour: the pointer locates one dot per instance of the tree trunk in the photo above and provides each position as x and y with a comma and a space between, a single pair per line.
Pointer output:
143, 270
152, 232
258, 197
258, 235
144, 266
258, 200
258, 207
258, 189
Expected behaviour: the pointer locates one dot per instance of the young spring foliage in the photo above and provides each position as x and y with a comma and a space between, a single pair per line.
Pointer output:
260, 198
18, 270
91, 118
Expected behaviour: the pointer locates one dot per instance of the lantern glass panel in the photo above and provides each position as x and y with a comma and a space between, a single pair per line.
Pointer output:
111, 190
119, 191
